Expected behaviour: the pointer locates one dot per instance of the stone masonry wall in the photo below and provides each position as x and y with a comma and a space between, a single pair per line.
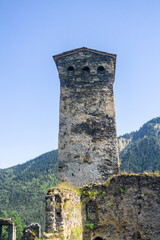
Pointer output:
128, 208
87, 151
63, 214
11, 228
32, 232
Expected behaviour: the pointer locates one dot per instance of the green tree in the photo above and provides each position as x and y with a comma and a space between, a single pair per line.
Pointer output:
3, 214
18, 223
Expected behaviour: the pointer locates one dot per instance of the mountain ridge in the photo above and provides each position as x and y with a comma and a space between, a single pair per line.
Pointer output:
131, 145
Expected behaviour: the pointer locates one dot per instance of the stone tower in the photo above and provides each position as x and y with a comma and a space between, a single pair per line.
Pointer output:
87, 151
128, 206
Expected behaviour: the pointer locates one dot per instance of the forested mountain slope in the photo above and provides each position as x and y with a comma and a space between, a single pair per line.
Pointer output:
23, 187
140, 151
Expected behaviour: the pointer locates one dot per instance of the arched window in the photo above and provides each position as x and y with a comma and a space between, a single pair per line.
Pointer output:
86, 70
100, 70
70, 70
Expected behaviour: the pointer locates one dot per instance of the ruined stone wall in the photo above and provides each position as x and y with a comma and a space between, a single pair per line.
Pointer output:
63, 214
128, 208
87, 151
11, 228
32, 232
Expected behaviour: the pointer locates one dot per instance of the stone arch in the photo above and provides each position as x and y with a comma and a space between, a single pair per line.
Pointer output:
101, 70
86, 69
70, 70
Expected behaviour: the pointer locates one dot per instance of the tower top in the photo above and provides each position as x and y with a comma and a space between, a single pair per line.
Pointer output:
58, 56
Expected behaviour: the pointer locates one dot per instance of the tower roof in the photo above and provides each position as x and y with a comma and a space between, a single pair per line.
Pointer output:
58, 56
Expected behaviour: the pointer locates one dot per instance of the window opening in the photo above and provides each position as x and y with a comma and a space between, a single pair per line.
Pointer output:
91, 211
70, 68
100, 70
86, 69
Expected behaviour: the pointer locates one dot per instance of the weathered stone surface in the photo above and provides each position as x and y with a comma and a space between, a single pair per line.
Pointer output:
32, 232
128, 208
87, 151
50, 214
66, 214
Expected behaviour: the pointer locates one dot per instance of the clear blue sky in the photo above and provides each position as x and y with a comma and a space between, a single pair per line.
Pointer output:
31, 32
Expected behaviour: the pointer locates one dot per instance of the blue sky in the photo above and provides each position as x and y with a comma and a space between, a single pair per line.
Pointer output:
31, 32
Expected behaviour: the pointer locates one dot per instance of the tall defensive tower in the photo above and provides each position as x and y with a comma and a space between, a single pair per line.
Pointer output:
87, 151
